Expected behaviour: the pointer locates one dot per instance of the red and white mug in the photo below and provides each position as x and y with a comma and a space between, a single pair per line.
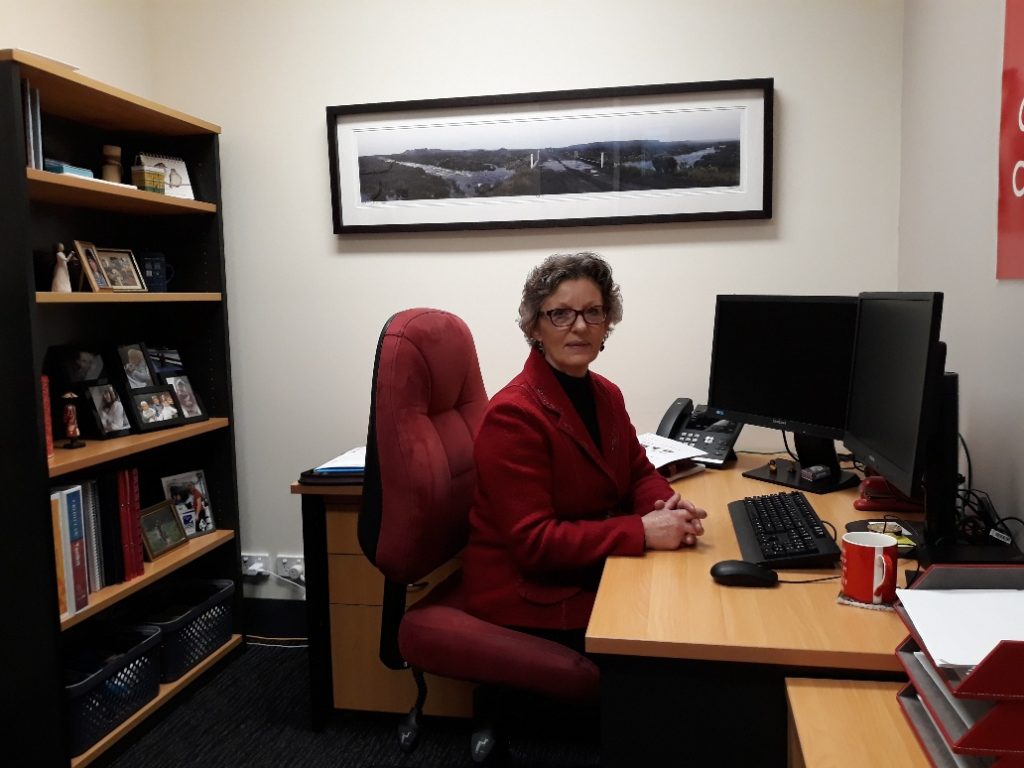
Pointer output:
869, 567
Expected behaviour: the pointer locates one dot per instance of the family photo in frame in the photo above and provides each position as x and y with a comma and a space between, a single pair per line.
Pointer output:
109, 269
162, 531
188, 493
109, 411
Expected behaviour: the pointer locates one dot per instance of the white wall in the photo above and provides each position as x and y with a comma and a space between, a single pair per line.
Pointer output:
306, 306
951, 105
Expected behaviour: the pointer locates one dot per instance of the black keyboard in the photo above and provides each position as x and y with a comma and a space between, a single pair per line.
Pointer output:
782, 530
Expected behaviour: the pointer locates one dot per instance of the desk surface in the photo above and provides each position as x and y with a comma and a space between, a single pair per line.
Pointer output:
666, 605
852, 723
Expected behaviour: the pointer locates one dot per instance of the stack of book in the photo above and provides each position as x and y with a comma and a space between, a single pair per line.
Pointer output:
97, 536
346, 469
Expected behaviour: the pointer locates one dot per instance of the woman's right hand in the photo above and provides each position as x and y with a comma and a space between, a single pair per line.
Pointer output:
672, 524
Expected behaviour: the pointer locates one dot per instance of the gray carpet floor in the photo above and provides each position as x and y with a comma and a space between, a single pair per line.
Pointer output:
253, 712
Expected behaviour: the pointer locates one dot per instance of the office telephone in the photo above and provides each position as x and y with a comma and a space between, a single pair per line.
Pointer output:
701, 429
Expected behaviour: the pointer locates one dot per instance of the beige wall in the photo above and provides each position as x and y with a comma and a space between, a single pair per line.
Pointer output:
306, 306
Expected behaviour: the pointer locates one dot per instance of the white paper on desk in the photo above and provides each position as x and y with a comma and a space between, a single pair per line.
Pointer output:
665, 450
353, 460
959, 627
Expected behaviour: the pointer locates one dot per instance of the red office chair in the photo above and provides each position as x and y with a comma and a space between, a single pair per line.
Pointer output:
426, 405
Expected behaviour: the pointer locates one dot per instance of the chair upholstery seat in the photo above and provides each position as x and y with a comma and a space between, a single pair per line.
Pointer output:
438, 635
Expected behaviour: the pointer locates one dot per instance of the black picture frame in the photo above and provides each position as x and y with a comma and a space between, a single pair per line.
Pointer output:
161, 529
189, 402
624, 155
164, 362
108, 410
141, 403
135, 367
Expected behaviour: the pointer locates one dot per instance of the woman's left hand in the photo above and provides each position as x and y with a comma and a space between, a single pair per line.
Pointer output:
690, 512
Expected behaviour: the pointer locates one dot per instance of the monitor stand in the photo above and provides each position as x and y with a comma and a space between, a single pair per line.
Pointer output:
811, 451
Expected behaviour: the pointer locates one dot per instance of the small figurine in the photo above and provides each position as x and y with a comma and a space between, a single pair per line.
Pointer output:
111, 163
61, 276
71, 422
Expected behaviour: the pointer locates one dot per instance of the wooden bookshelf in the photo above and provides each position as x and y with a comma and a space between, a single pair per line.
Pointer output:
49, 297
68, 189
166, 693
98, 452
153, 572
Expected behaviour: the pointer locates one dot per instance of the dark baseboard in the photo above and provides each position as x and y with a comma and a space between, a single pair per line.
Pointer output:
278, 619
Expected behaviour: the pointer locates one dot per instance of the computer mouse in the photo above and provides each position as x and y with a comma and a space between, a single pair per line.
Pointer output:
740, 573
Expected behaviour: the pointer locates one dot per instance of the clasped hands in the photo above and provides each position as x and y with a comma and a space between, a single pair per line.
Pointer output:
673, 523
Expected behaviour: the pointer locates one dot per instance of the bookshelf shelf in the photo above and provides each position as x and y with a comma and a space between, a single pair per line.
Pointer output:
98, 452
65, 189
48, 297
167, 692
158, 569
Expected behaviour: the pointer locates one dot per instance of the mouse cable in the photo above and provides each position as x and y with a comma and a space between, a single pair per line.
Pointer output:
811, 581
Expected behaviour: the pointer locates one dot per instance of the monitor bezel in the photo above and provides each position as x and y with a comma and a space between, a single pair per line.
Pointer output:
809, 429
907, 479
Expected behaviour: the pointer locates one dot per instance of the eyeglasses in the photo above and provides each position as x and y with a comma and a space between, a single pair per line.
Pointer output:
563, 317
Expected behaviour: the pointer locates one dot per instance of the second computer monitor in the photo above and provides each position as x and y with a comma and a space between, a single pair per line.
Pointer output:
784, 362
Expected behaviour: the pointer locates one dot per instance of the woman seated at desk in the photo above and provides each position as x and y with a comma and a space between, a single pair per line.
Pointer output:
562, 482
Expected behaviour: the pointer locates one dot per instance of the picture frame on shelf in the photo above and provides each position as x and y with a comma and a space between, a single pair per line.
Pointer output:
176, 179
188, 493
135, 365
622, 155
108, 410
121, 270
191, 406
92, 271
154, 408
164, 362
162, 531
71, 365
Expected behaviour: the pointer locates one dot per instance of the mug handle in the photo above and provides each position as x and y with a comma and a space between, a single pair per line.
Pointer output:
880, 558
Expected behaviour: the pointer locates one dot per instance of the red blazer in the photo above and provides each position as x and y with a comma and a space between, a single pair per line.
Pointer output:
550, 507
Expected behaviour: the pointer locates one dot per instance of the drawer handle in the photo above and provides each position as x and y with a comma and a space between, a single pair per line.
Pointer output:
417, 587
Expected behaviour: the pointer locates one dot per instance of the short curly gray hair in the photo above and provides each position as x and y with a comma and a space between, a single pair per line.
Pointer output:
545, 278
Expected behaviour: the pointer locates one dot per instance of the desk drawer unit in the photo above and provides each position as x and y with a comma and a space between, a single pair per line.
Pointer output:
355, 589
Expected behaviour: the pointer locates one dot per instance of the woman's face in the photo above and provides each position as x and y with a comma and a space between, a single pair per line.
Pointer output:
571, 350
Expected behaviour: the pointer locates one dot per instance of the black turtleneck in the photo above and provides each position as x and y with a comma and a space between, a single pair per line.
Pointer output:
580, 390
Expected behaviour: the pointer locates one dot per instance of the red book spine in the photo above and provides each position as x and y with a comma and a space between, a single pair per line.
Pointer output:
136, 509
47, 416
124, 515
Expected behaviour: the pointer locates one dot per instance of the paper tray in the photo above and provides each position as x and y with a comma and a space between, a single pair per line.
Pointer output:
1000, 675
967, 726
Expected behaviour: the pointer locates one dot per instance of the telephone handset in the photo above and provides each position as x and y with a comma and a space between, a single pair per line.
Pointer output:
701, 429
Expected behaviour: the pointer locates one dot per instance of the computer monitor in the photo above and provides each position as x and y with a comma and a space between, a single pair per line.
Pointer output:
783, 362
902, 419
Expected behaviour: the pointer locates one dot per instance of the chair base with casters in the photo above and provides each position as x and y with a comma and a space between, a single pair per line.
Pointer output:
426, 405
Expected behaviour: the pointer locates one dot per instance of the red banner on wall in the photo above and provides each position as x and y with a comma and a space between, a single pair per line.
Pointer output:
1010, 245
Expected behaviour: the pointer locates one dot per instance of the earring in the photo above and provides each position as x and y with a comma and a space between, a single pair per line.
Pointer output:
601, 348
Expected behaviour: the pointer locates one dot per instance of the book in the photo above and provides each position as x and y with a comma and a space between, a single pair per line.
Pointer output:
110, 528
47, 415
59, 166
93, 542
124, 521
73, 541
58, 554
37, 128
351, 462
26, 109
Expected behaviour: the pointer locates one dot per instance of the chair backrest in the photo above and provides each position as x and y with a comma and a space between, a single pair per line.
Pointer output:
426, 405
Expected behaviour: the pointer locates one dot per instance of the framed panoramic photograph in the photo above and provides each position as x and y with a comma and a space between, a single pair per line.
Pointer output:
653, 153
154, 408
120, 269
161, 529
108, 410
91, 269
187, 492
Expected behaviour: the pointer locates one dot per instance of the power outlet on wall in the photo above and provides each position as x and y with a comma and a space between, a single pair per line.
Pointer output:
291, 567
254, 564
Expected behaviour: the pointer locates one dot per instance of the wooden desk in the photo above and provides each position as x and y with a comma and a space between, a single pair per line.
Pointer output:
849, 724
343, 611
681, 648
